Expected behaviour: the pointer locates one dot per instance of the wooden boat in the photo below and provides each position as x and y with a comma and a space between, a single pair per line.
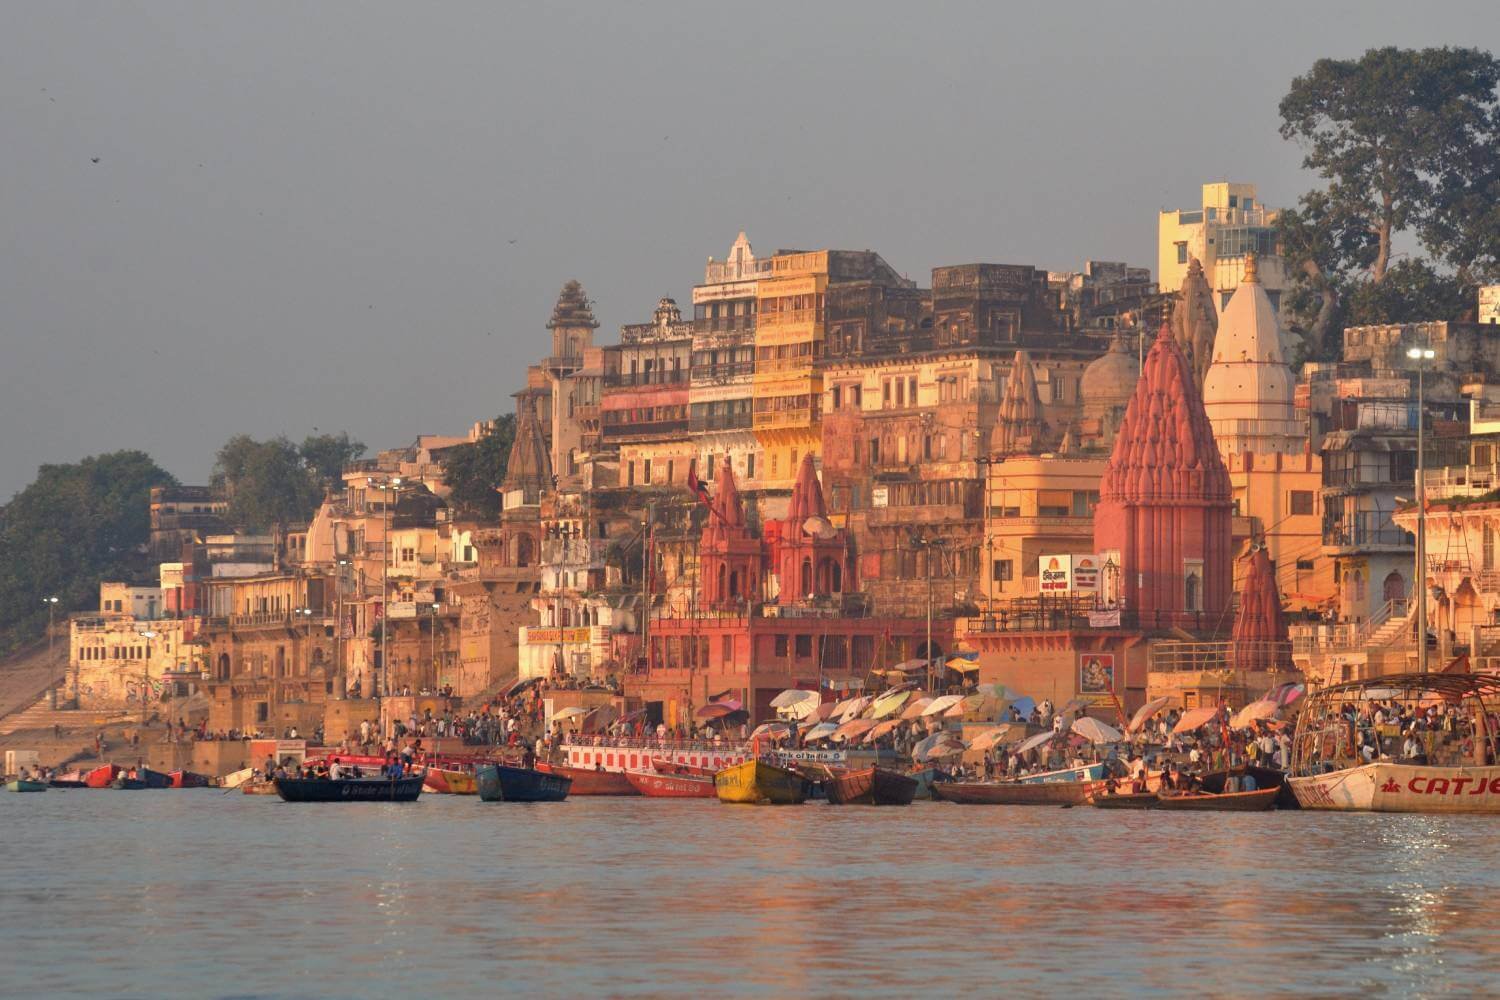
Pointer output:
257, 788
446, 782
662, 766
1014, 793
123, 783
235, 779
1257, 801
755, 781
1124, 800
671, 786
188, 779
1270, 777
102, 776
871, 786
72, 779
504, 783
25, 785
375, 789
925, 778
596, 782
153, 779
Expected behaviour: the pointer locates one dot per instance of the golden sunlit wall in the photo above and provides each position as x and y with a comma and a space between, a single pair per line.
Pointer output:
787, 389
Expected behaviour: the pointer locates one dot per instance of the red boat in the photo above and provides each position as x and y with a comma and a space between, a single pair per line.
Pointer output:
682, 770
101, 777
872, 786
591, 782
671, 786
188, 779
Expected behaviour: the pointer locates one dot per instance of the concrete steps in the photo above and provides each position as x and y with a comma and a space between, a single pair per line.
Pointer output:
42, 717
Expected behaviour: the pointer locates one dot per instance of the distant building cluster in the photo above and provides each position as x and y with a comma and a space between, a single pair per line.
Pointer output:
1080, 485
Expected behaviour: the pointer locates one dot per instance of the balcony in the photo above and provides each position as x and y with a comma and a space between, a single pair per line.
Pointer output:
1461, 481
632, 380
1220, 657
578, 551
1080, 614
643, 430
721, 422
802, 417
721, 374
1365, 532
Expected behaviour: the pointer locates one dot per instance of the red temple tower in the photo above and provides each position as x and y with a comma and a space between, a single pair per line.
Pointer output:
729, 553
809, 554
1165, 501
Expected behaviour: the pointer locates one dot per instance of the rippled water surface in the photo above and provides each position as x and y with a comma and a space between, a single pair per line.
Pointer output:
198, 893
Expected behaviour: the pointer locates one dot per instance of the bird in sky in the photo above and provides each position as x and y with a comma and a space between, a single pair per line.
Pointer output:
96, 159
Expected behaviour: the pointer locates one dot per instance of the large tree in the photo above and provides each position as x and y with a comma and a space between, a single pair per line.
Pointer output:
1396, 134
74, 526
266, 483
473, 471
326, 455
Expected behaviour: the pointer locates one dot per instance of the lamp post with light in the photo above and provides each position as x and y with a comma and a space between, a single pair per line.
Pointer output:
389, 487
51, 603
1422, 356
148, 635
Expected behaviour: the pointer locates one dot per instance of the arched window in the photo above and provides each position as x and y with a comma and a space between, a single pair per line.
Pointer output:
523, 550
1394, 588
1193, 594
280, 661
223, 666
734, 584
1487, 548
567, 618
807, 578
723, 587
836, 578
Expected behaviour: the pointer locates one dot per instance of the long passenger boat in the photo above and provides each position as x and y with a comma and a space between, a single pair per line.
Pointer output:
504, 783
349, 789
645, 753
871, 786
595, 782
1014, 793
1454, 771
657, 785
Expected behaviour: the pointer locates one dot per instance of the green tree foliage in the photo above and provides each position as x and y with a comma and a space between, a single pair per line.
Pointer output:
74, 526
1405, 142
266, 483
326, 455
473, 471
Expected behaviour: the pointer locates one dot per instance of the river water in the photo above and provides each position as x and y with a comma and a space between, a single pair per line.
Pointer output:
199, 893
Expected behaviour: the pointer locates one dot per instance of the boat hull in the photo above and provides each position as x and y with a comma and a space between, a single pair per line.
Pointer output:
671, 786
188, 779
1389, 787
102, 777
756, 782
1125, 800
446, 782
586, 782
503, 783
257, 788
25, 786
1257, 801
1014, 793
871, 786
349, 789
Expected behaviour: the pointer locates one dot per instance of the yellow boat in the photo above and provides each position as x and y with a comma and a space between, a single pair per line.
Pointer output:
755, 781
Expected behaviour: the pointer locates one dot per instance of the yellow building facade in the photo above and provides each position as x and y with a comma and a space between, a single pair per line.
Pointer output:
1037, 505
787, 387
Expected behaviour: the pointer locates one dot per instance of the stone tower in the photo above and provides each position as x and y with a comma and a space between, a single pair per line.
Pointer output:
1248, 391
1165, 506
1195, 321
1018, 427
729, 553
572, 323
810, 555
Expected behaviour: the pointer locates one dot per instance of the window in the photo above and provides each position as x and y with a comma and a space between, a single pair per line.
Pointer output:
911, 390
750, 466
875, 451
781, 646
1182, 256
1003, 571
1487, 548
646, 472
804, 645
1234, 200
1301, 502
1304, 565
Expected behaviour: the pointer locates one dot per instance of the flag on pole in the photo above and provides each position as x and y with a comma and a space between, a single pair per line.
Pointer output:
696, 486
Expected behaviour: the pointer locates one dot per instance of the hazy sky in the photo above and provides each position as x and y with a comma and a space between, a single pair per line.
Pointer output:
357, 216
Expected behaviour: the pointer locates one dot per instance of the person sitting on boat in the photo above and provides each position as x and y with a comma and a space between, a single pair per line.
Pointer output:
335, 769
1411, 750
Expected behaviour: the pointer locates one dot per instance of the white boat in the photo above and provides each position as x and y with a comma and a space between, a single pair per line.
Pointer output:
1455, 772
235, 779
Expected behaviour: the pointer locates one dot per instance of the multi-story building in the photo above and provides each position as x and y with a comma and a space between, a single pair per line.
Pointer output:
721, 389
1230, 223
574, 376
127, 655
644, 402
184, 514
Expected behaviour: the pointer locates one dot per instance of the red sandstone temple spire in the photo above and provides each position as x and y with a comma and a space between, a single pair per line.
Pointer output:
1165, 500
730, 555
1019, 428
1259, 623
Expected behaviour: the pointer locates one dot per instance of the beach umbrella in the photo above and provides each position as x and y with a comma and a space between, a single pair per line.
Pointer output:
1256, 711
915, 709
943, 750
1197, 717
852, 708
994, 737
1145, 712
962, 665
887, 704
795, 704
921, 750
1095, 731
717, 710
521, 685
911, 666
771, 729
1035, 741
1073, 705
568, 714
942, 704
821, 731
789, 697
852, 729
880, 729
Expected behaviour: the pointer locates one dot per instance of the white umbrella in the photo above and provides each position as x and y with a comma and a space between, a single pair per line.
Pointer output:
821, 731
942, 704
916, 708
852, 708
887, 704
771, 729
1095, 731
797, 704
570, 713
793, 696
1197, 717
1254, 712
1145, 712
1035, 741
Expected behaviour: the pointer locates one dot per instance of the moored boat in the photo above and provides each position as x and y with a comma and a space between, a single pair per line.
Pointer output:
375, 789
69, 779
756, 781
102, 776
188, 779
257, 788
1124, 800
1014, 793
586, 782
505, 783
871, 786
671, 786
25, 785
1446, 771
128, 784
447, 782
1256, 801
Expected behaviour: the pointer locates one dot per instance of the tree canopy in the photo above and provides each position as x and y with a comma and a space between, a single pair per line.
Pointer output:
1404, 142
326, 455
474, 471
266, 483
74, 526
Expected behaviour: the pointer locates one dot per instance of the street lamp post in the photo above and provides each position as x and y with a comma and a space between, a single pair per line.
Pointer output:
1422, 356
148, 635
928, 545
51, 603
382, 673
340, 678
436, 606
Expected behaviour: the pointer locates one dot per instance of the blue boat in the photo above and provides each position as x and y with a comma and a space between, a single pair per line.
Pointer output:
503, 783
1089, 772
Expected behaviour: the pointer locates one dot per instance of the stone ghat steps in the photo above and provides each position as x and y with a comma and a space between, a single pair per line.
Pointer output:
41, 716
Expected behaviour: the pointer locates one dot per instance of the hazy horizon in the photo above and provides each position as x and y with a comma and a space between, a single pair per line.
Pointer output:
326, 217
